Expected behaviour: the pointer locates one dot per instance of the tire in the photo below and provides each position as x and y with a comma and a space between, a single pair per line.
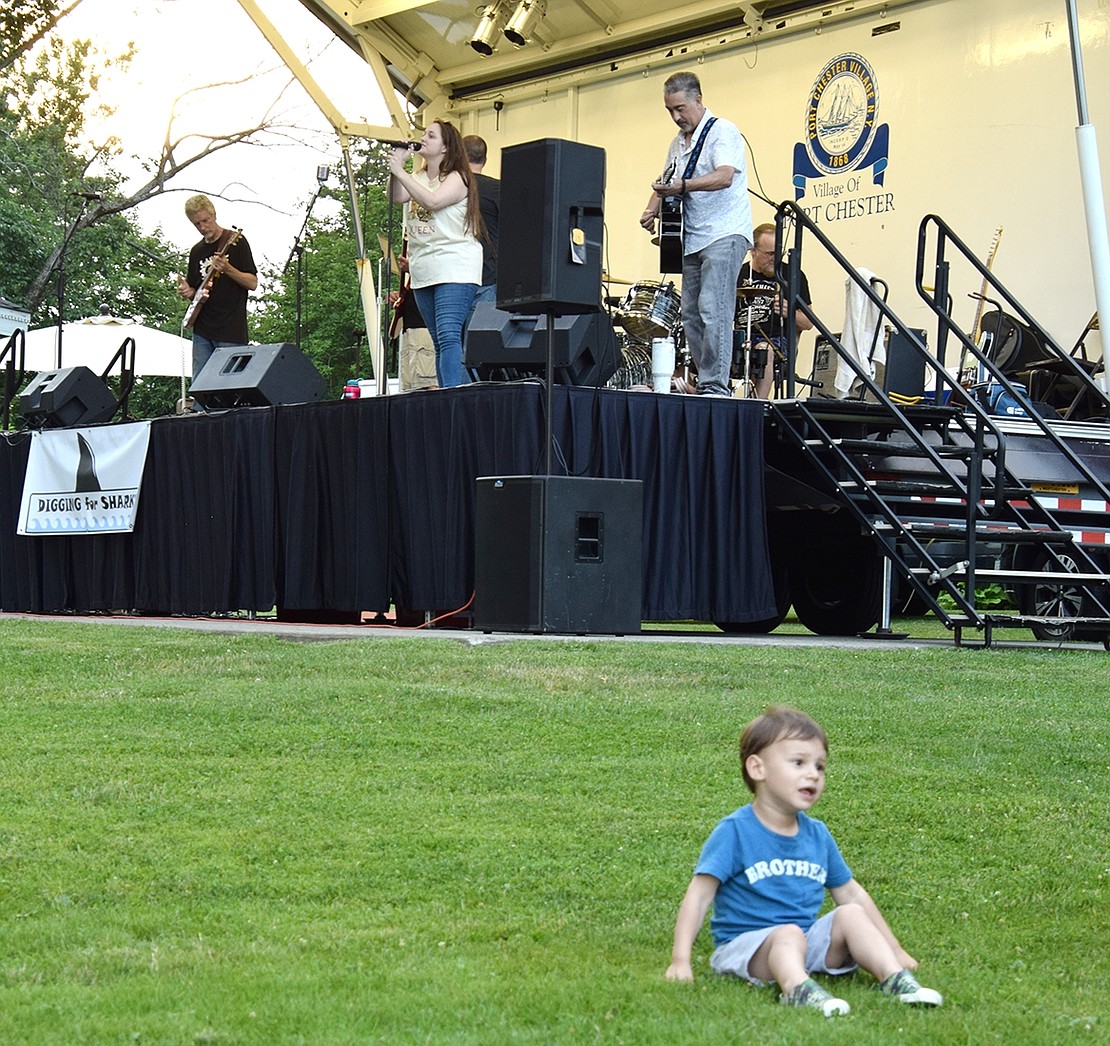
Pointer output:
1052, 600
836, 578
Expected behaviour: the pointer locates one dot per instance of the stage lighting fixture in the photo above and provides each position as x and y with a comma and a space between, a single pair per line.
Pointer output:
489, 28
526, 17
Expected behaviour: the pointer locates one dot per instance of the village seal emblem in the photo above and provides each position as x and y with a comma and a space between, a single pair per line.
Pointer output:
841, 128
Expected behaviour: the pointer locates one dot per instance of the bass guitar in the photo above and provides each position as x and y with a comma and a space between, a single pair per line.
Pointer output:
200, 296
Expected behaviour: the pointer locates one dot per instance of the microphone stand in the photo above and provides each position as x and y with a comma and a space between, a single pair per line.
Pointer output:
297, 251
60, 266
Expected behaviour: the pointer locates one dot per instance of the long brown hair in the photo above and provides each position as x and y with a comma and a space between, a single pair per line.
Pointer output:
455, 159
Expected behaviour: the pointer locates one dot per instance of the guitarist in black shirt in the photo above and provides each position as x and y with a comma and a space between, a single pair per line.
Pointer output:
221, 273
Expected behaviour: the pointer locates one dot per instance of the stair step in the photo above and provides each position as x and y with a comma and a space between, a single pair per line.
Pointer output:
1023, 577
932, 488
1005, 535
888, 449
1093, 624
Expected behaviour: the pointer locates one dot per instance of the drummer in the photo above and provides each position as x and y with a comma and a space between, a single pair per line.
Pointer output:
768, 313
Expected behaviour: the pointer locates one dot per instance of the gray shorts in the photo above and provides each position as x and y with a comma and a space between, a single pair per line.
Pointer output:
733, 957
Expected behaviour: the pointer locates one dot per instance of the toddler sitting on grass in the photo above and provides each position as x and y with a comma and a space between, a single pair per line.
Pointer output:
765, 869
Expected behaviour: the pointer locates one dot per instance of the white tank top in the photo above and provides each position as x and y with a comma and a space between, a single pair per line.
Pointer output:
441, 250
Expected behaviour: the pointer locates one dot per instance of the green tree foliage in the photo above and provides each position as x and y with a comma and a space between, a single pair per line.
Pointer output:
61, 251
333, 329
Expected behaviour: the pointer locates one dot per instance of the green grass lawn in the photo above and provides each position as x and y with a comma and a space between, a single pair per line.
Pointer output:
246, 839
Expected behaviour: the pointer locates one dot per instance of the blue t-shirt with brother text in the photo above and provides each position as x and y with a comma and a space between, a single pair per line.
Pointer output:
768, 879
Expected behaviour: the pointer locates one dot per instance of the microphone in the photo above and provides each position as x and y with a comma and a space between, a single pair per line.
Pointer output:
88, 195
414, 146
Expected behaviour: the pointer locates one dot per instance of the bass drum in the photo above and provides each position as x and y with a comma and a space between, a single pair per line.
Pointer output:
650, 310
635, 368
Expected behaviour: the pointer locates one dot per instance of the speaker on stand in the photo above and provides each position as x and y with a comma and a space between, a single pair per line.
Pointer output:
553, 553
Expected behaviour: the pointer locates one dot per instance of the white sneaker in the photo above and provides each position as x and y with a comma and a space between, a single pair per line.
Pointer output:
810, 993
903, 986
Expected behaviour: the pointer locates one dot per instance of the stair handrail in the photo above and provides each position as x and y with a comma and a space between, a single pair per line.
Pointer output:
788, 280
13, 359
949, 326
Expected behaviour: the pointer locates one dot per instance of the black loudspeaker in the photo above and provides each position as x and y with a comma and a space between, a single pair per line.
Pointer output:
550, 228
905, 367
257, 376
558, 554
58, 399
585, 347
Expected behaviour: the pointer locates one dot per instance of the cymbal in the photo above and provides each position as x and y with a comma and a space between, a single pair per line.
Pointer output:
606, 278
747, 290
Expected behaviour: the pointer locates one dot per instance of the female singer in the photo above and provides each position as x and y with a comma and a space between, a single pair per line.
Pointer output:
444, 229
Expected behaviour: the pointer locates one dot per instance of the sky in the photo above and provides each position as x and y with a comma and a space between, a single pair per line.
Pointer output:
189, 44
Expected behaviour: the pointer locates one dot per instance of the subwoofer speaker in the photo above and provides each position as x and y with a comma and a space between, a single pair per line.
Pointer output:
257, 376
558, 554
550, 229
58, 399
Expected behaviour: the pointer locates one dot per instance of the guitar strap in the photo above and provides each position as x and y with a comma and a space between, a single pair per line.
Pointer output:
696, 154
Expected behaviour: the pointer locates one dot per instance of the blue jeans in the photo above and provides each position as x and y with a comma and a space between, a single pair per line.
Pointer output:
202, 351
708, 307
445, 307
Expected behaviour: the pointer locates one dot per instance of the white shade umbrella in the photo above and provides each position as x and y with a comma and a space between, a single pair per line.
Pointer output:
94, 340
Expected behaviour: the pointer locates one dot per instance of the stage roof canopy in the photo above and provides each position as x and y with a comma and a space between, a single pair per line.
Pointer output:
422, 50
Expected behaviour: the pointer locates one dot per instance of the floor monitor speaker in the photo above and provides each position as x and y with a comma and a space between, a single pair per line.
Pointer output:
257, 376
558, 554
550, 229
585, 346
66, 398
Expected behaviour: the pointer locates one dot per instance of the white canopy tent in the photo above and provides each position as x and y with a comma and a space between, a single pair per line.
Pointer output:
93, 341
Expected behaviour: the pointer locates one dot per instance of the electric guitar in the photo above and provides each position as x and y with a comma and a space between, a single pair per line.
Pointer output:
670, 230
403, 291
199, 296
967, 377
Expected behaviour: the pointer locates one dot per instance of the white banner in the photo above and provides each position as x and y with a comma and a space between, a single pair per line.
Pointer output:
84, 481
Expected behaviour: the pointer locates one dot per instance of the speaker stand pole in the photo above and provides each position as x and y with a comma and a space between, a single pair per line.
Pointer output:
549, 438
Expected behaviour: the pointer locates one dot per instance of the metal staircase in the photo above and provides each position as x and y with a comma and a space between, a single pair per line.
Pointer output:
928, 482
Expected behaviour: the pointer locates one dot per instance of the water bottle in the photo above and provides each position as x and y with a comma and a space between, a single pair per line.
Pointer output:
352, 390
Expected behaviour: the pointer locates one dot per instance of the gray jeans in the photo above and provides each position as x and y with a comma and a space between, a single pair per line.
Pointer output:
708, 305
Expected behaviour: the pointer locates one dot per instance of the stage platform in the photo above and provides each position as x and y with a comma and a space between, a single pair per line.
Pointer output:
356, 506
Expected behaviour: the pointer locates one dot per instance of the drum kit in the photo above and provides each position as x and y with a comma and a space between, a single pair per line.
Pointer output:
650, 310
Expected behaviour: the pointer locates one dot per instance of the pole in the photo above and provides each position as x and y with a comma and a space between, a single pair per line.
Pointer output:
1093, 200
371, 308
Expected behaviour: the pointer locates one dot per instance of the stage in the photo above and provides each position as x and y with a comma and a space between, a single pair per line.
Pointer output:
358, 506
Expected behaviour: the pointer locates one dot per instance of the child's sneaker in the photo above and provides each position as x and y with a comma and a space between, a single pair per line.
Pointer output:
904, 987
810, 993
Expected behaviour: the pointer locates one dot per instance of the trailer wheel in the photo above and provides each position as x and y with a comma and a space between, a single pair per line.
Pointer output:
836, 581
1052, 600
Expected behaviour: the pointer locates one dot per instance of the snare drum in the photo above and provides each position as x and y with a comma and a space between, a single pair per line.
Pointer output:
651, 310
